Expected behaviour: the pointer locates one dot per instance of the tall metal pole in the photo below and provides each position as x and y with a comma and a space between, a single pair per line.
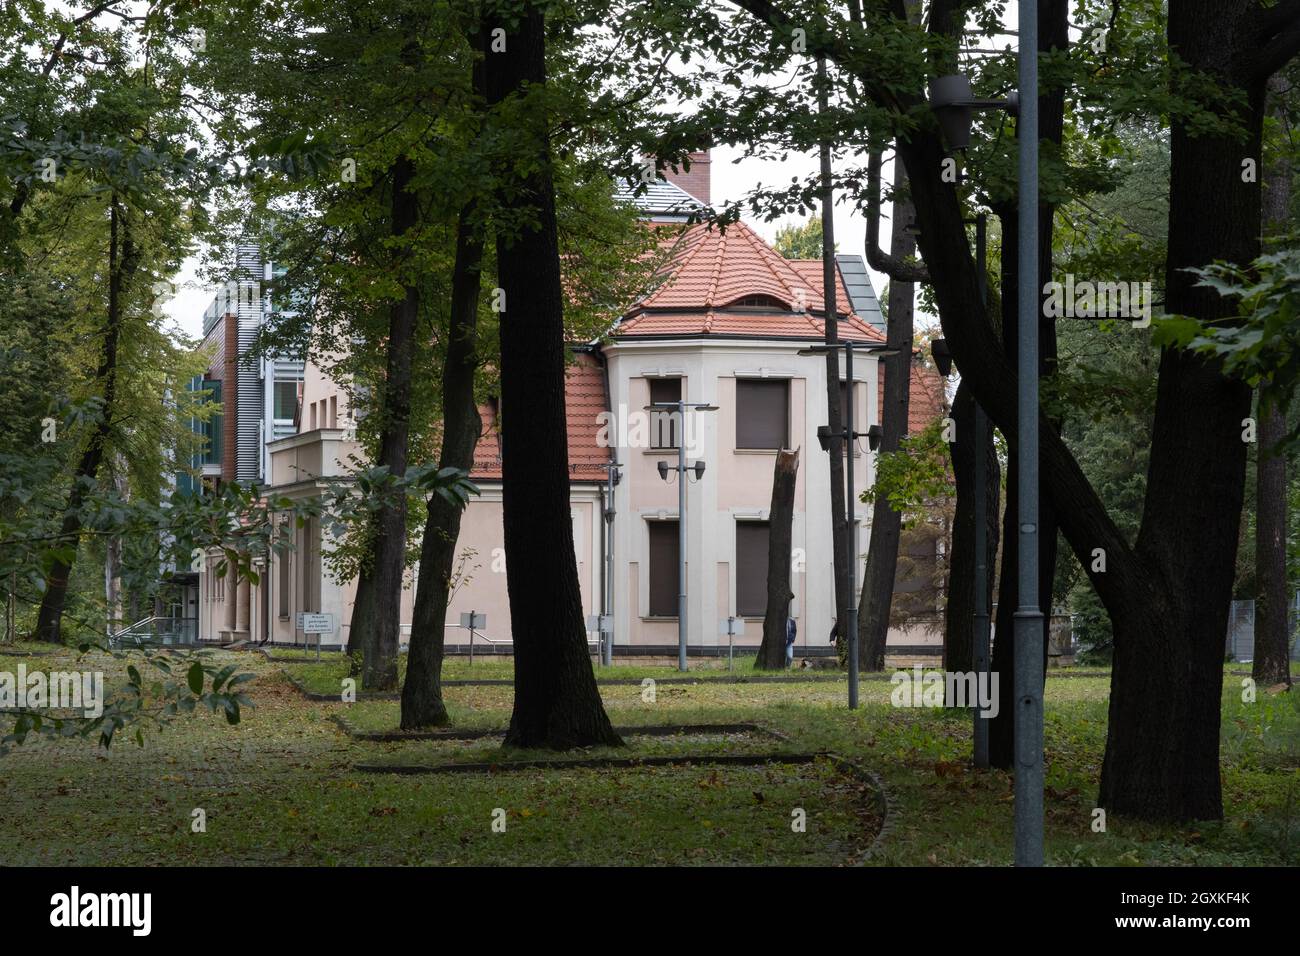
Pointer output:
607, 651
980, 635
1029, 617
851, 528
681, 536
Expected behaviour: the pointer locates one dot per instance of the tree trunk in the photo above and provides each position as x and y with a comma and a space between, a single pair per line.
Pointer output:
1162, 742
771, 653
123, 258
959, 630
557, 702
376, 621
886, 523
1272, 633
422, 704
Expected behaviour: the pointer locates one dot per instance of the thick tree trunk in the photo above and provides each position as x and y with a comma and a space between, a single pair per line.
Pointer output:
376, 620
771, 652
1272, 631
959, 630
887, 524
1162, 745
557, 702
422, 703
123, 257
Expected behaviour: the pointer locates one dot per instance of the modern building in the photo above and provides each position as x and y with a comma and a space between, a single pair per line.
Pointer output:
257, 399
723, 325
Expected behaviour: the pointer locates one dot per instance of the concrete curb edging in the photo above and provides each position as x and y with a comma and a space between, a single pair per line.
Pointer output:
647, 730
886, 805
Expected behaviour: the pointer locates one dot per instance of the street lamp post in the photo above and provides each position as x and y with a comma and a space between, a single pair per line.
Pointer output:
1029, 616
613, 475
952, 103
849, 436
681, 469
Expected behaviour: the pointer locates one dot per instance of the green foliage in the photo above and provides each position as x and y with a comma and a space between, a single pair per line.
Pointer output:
1258, 344
917, 478
802, 241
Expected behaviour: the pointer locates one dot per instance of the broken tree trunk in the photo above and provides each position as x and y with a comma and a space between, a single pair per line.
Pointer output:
771, 653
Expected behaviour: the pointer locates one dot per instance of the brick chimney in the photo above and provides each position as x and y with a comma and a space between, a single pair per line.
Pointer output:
695, 182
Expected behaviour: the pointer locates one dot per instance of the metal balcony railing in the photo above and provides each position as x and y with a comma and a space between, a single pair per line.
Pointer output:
157, 632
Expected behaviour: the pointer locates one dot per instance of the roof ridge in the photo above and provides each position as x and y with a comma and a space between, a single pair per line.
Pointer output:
766, 254
717, 270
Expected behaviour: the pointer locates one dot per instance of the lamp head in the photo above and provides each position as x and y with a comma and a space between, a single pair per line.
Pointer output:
874, 434
950, 98
663, 469
824, 437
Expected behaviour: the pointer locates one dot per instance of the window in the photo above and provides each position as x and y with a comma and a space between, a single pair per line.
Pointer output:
665, 426
308, 561
761, 302
334, 411
211, 429
751, 568
286, 401
663, 568
282, 557
762, 413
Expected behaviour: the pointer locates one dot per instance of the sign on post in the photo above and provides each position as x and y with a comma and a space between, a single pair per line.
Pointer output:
317, 623
472, 621
731, 626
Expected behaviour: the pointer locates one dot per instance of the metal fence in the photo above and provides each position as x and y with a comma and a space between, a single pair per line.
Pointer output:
1241, 629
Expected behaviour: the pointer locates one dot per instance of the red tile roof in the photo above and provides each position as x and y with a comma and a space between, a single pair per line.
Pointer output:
746, 323
584, 400
709, 272
927, 398
810, 270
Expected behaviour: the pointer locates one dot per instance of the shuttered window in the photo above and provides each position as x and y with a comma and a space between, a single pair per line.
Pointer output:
665, 427
751, 568
663, 568
762, 413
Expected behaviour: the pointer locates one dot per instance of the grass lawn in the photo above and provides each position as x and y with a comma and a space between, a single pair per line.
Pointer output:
281, 788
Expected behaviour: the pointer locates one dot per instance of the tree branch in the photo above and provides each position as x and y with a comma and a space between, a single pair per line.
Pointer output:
1277, 40
897, 269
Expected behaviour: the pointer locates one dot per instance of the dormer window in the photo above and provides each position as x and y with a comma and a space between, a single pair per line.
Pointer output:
769, 303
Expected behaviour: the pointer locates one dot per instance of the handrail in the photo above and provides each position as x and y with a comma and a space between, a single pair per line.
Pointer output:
125, 630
